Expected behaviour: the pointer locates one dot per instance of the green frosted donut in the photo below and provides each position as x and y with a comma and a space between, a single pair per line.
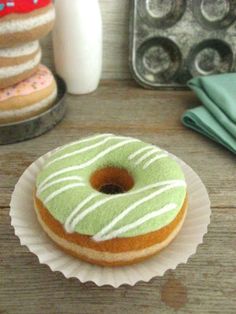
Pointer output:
155, 199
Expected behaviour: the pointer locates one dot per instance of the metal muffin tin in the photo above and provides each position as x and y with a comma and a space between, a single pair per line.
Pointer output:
172, 41
35, 126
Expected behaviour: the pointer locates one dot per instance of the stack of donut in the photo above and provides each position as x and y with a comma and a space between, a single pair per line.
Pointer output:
27, 87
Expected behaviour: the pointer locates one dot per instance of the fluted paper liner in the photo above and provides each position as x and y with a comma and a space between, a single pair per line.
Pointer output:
30, 233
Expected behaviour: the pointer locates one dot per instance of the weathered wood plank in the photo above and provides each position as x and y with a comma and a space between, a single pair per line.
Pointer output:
206, 284
124, 108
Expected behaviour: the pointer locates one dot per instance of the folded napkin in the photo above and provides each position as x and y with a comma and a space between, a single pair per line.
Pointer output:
216, 119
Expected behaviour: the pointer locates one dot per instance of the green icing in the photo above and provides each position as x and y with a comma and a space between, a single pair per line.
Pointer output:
63, 204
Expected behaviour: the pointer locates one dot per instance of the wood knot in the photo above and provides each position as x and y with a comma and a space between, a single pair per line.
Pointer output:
174, 293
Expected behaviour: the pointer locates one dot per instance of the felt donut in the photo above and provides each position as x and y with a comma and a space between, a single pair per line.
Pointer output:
29, 97
111, 200
23, 21
18, 63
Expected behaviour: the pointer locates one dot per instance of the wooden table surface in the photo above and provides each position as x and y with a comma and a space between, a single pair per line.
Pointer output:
206, 284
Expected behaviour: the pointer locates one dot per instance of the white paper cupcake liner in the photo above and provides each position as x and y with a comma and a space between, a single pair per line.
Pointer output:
30, 233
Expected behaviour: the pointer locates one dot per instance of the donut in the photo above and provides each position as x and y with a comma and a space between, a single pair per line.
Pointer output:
111, 200
29, 97
23, 21
18, 63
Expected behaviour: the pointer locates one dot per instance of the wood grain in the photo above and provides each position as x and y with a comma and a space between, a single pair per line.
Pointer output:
206, 284
115, 15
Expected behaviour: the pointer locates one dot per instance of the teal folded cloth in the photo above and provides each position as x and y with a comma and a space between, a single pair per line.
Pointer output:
216, 119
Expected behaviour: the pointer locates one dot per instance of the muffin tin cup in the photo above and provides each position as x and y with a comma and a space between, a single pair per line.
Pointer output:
215, 14
211, 56
37, 125
175, 40
30, 233
159, 59
162, 13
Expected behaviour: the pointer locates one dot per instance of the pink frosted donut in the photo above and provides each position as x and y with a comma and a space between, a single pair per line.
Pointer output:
29, 97
18, 63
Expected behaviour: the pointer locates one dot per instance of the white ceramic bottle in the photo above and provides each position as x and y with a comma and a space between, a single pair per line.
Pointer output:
77, 44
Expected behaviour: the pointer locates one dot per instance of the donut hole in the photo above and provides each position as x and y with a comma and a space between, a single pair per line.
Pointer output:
112, 180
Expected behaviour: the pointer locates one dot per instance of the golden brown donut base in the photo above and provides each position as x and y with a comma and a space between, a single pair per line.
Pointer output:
17, 103
12, 80
114, 252
14, 39
13, 61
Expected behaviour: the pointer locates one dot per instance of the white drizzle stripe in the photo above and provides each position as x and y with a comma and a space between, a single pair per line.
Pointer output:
103, 201
139, 151
148, 163
61, 190
90, 139
134, 206
46, 186
53, 175
138, 222
145, 156
82, 150
89, 162
15, 26
75, 211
